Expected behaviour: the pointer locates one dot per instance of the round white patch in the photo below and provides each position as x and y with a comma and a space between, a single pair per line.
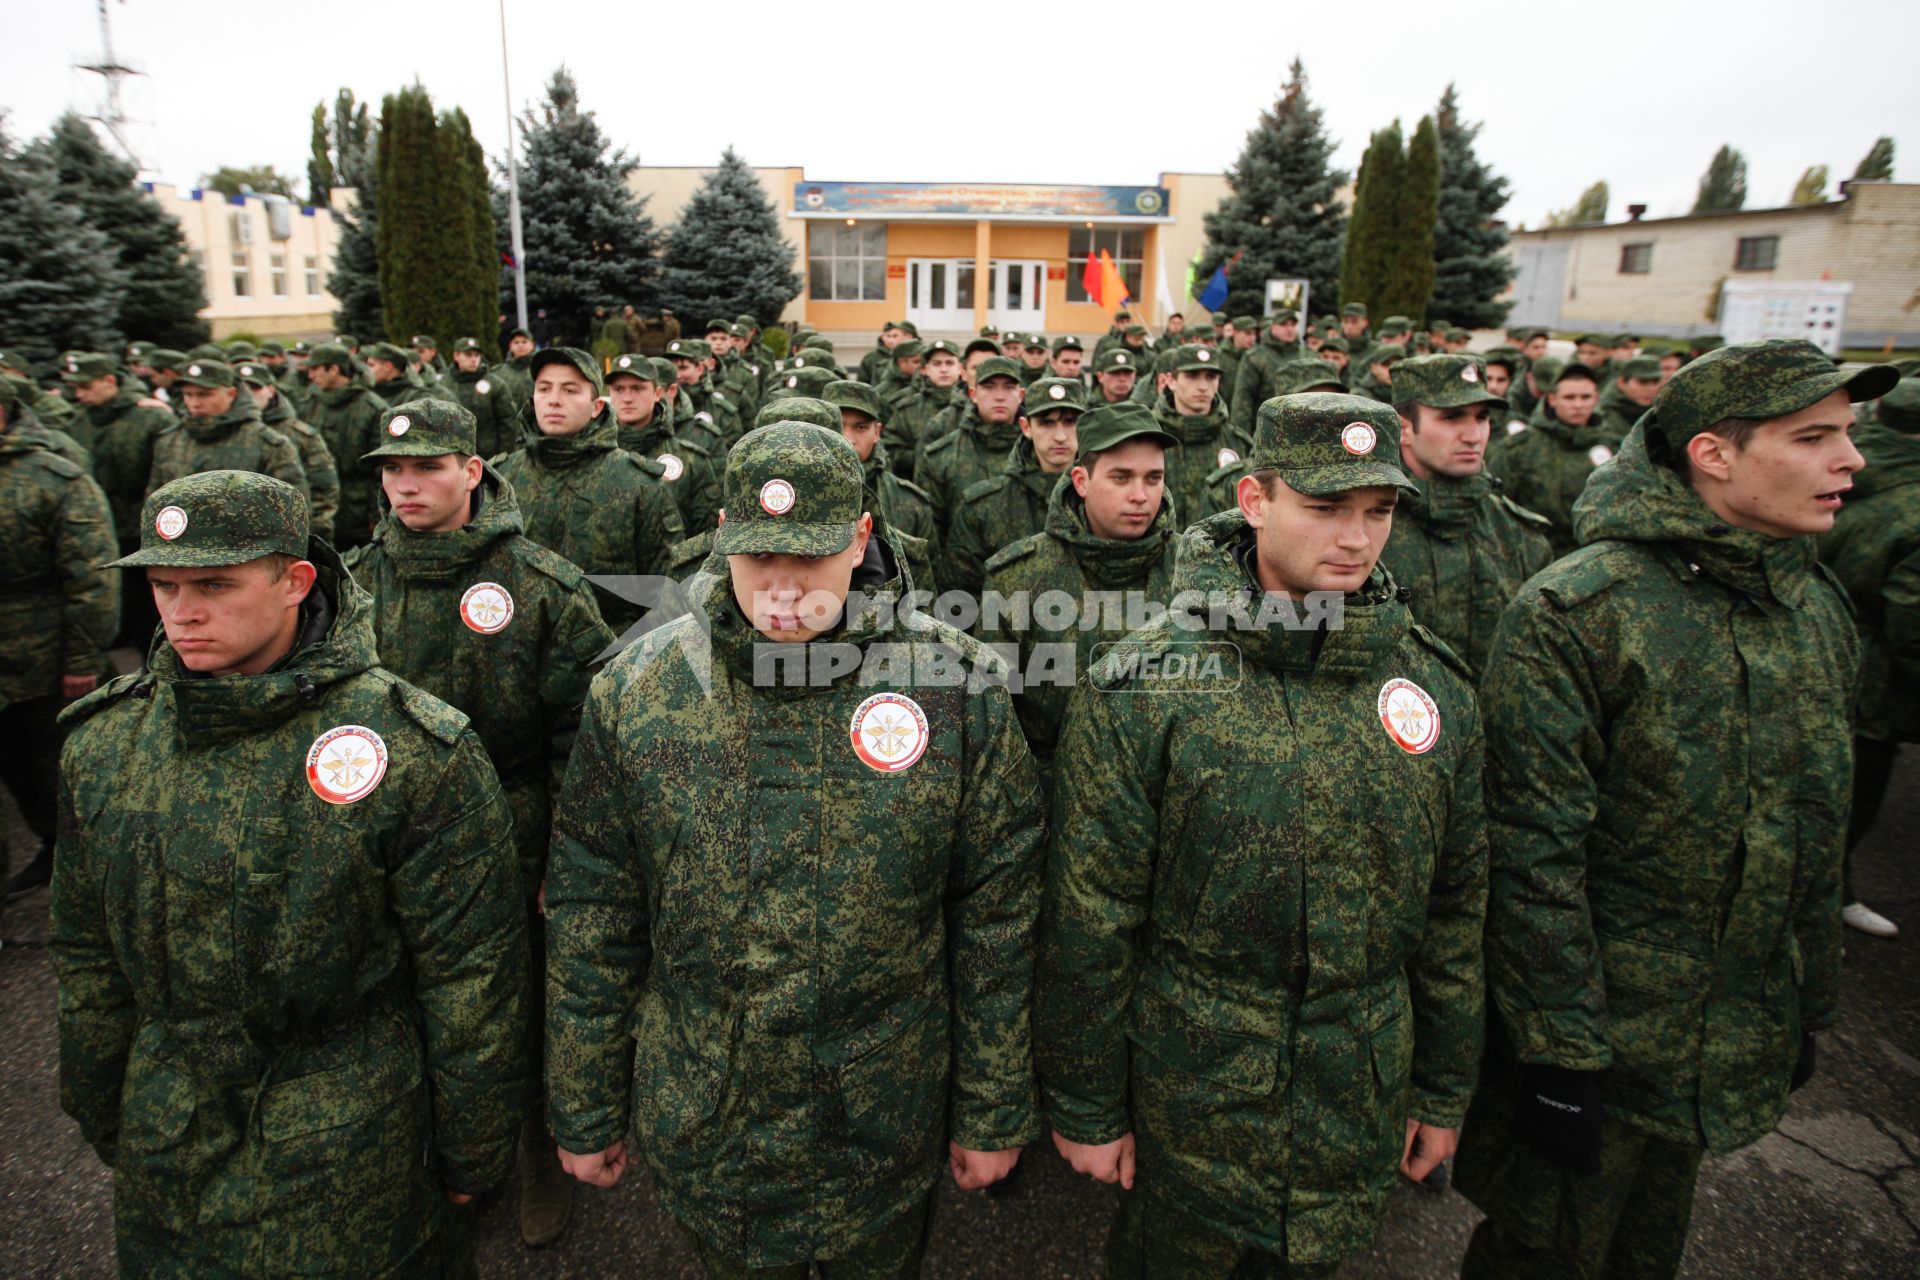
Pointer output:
624, 362
170, 522
399, 426
483, 386
1470, 374
776, 497
346, 763
889, 732
1203, 354
486, 607
1226, 458
1120, 359
1056, 393
672, 466
1409, 716
1515, 427
1599, 455
793, 382
1359, 438
193, 371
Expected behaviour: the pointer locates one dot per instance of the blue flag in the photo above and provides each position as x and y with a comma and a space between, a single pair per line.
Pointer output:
1215, 293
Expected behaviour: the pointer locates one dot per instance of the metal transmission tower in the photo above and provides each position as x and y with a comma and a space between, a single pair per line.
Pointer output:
113, 115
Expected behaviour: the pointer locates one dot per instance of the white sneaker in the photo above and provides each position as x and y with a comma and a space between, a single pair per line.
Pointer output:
1858, 915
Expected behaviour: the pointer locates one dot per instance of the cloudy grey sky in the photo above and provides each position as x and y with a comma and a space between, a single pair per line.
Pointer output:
1115, 92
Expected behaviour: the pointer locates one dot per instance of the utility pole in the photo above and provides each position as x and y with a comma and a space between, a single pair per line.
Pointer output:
513, 182
113, 115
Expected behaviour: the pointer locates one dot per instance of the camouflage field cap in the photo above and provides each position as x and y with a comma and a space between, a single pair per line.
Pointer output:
218, 518
1387, 355
1245, 324
996, 367
631, 366
798, 408
1543, 371
816, 358
1459, 335
1443, 382
347, 340
988, 331
241, 351
1067, 342
802, 382
585, 364
1767, 379
1219, 318
1113, 424
208, 351
908, 348
913, 330
1117, 360
792, 489
1437, 325
425, 429
1639, 369
719, 326
1900, 407
207, 373
253, 373
271, 349
393, 355
1286, 315
857, 396
1336, 342
1194, 358
1324, 443
329, 353
1033, 340
1012, 338
747, 320
77, 367
1574, 371
1056, 393
1394, 326
1136, 331
138, 351
1593, 340
1308, 373
300, 348
425, 342
1198, 331
518, 333
663, 371
1624, 340
689, 349
740, 331
943, 346
1706, 342
1165, 361
466, 344
1354, 309
166, 359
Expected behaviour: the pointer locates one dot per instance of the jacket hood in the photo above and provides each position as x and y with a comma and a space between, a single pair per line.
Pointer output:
1106, 562
1204, 429
496, 515
1445, 504
1893, 460
207, 430
602, 435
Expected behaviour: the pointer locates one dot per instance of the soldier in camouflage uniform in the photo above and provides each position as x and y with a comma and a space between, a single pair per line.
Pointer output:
932, 392
710, 821
1546, 467
1254, 378
643, 415
316, 460
977, 447
222, 432
118, 433
876, 362
1067, 359
1115, 372
1874, 549
730, 373
394, 380
1192, 412
904, 504
426, 354
1012, 505
470, 384
1667, 777
1109, 529
1261, 969
896, 383
581, 495
1295, 377
291, 959
693, 367
1459, 544
469, 609
346, 413
1034, 359
1636, 381
58, 613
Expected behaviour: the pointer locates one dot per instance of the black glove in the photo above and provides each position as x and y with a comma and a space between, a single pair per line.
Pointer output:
1803, 1069
1559, 1115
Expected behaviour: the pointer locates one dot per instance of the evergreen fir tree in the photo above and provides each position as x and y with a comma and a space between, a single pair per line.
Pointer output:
165, 291
1877, 164
1416, 211
1279, 219
587, 236
354, 281
1723, 186
1471, 266
727, 253
61, 284
1366, 264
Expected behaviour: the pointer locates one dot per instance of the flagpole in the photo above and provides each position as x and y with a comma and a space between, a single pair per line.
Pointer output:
513, 184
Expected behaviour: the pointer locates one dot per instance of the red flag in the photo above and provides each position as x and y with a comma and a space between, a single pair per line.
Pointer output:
1090, 277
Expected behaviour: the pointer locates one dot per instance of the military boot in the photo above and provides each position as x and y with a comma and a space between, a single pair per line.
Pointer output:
546, 1190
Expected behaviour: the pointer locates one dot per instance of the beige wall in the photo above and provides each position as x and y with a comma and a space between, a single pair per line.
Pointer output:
209, 221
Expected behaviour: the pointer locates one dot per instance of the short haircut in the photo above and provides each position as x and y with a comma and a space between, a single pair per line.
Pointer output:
277, 563
1737, 432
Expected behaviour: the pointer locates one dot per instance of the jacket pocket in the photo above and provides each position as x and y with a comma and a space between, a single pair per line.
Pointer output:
1655, 1001
1204, 1098
895, 1094
1391, 1048
679, 1074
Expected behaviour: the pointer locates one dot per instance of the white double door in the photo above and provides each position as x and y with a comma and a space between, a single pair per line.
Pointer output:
940, 293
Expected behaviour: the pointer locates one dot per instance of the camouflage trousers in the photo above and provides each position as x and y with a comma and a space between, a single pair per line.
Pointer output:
1626, 1222
1153, 1238
892, 1253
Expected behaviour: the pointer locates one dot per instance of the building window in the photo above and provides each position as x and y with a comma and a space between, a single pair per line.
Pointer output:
242, 274
1126, 246
847, 264
1757, 253
277, 272
313, 275
1636, 259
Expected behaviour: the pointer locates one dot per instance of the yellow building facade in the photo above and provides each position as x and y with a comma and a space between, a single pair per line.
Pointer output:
265, 259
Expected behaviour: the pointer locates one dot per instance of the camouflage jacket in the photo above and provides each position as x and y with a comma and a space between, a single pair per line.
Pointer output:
403, 390
1874, 548
500, 628
1066, 556
58, 612
118, 437
482, 393
1616, 413
1265, 893
1545, 468
287, 1023
992, 513
721, 413
1255, 377
348, 419
910, 417
323, 475
741, 381
688, 468
905, 504
235, 441
1464, 549
691, 422
1668, 768
973, 451
792, 974
1205, 446
875, 363
593, 503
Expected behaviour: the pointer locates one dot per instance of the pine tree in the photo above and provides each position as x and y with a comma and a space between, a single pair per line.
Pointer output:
1366, 264
1812, 187
320, 159
1723, 187
1280, 219
61, 284
1877, 164
165, 291
354, 281
1416, 212
727, 253
479, 298
587, 237
407, 236
1471, 266
1590, 207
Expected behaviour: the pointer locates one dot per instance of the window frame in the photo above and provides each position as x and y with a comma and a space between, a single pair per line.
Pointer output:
1636, 259
851, 266
1114, 239
277, 272
1741, 254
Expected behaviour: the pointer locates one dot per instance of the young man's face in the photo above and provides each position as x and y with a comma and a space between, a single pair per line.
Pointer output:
1034, 357
943, 369
688, 371
1498, 379
1382, 374
209, 402
1393, 339
262, 395
720, 342
1066, 362
1792, 475
1334, 356
431, 495
907, 365
1590, 354
1116, 384
1055, 434
100, 390
1641, 390
1625, 352
860, 431
1457, 345
1670, 364
426, 355
1573, 401
327, 377
1123, 489
1012, 349
1177, 325
520, 345
632, 399
1303, 543
1313, 340
1353, 326
1285, 331
385, 370
1536, 346
792, 599
467, 361
564, 402
891, 338
998, 399
1445, 442
232, 619
1194, 391
1243, 339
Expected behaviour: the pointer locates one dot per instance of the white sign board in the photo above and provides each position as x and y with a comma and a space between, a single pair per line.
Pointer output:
1287, 295
1816, 311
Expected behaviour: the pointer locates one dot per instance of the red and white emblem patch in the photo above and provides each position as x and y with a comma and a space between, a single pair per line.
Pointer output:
399, 425
1359, 438
776, 497
1599, 455
486, 607
889, 732
170, 522
1470, 374
1225, 458
1409, 715
346, 763
672, 465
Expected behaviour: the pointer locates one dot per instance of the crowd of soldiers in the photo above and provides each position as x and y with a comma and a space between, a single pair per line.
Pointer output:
763, 761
